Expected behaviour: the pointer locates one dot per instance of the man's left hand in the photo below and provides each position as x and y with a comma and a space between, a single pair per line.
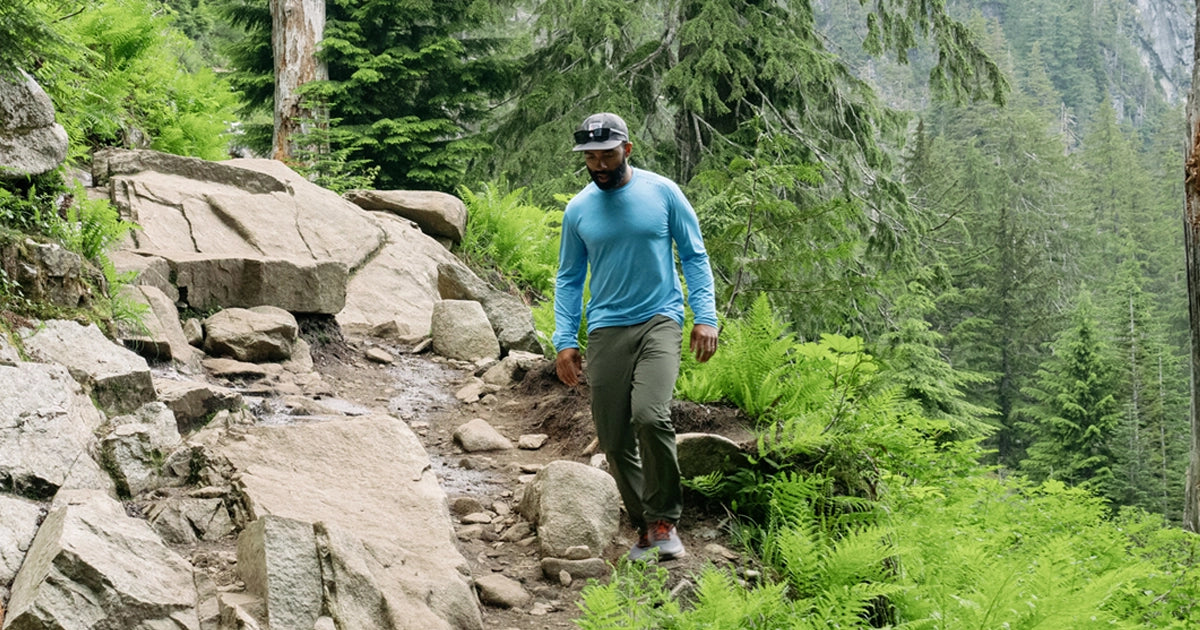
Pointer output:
703, 342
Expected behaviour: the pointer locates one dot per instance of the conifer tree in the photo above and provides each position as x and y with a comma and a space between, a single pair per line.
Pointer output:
410, 81
1075, 414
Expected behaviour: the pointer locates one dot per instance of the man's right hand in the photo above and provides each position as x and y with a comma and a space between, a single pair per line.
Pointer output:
569, 364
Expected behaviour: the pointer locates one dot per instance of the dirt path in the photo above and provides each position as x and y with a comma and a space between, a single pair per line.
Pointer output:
420, 389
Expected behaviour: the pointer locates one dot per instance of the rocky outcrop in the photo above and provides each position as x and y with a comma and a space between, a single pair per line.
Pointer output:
436, 213
46, 272
91, 566
118, 378
47, 429
31, 142
366, 486
159, 334
260, 334
397, 289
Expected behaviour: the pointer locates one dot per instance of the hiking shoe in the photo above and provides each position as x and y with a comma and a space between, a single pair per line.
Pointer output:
641, 547
665, 539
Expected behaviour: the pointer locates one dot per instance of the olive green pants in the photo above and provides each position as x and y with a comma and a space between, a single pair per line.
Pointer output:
631, 371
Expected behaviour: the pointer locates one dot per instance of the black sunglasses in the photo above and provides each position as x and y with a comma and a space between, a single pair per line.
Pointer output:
599, 134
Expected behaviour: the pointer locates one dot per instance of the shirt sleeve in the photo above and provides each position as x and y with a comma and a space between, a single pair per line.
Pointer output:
568, 288
685, 231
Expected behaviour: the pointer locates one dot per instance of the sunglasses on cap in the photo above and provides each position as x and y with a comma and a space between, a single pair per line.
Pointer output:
599, 134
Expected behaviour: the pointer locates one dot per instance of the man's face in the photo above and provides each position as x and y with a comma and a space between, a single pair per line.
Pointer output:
608, 168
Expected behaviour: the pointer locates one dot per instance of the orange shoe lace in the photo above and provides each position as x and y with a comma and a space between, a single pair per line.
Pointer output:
660, 530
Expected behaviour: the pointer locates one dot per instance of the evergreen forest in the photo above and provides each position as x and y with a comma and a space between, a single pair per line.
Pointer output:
946, 236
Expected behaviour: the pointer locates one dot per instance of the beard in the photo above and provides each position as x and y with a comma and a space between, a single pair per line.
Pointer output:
614, 177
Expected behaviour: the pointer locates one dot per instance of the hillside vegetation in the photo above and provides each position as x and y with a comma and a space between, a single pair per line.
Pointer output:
945, 235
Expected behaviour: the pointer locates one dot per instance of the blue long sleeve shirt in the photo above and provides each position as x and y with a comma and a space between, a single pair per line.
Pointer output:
625, 235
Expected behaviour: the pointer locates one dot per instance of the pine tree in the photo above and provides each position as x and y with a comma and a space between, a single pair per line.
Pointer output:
410, 80
1075, 414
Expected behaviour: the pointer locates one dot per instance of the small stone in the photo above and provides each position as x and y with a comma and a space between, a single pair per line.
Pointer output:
501, 591
564, 578
714, 549
517, 532
532, 441
531, 468
477, 518
599, 461
541, 609
470, 532
526, 478
378, 355
461, 506
501, 508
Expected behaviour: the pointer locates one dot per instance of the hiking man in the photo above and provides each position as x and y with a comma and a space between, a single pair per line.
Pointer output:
623, 225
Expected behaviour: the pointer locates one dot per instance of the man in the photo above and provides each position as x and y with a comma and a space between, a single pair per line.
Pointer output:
623, 225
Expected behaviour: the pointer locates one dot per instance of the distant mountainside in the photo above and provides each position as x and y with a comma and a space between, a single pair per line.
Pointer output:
1164, 42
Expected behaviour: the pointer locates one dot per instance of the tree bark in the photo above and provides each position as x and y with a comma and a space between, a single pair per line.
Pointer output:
1191, 238
296, 30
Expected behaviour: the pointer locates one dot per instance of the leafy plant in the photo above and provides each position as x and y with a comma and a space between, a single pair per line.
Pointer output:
509, 234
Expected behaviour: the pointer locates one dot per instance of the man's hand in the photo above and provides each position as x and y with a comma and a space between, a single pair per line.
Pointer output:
703, 343
569, 365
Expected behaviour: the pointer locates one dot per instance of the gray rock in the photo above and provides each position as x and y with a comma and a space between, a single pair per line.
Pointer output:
89, 562
477, 435
194, 331
240, 611
208, 281
18, 524
47, 272
363, 481
577, 569
251, 335
117, 377
194, 403
511, 318
437, 213
47, 427
704, 453
512, 368
394, 292
137, 447
532, 441
30, 141
185, 520
571, 504
462, 506
502, 592
377, 355
277, 559
160, 335
460, 330
150, 270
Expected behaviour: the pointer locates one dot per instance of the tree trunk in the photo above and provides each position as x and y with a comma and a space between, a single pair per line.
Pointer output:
296, 30
1191, 239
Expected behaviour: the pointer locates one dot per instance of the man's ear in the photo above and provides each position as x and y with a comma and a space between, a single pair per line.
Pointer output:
628, 148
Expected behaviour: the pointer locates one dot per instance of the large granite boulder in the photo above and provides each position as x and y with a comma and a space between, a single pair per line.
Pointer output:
91, 566
436, 213
117, 377
47, 272
460, 330
253, 335
378, 513
397, 288
30, 141
47, 429
511, 318
18, 523
572, 504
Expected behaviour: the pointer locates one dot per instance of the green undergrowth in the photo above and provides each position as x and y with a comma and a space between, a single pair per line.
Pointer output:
864, 513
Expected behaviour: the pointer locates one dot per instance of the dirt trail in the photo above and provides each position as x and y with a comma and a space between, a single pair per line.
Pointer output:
420, 389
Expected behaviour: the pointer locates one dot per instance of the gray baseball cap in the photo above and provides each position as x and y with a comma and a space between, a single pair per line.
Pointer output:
600, 132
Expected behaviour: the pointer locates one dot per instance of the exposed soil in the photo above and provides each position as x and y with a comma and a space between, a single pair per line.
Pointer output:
420, 389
